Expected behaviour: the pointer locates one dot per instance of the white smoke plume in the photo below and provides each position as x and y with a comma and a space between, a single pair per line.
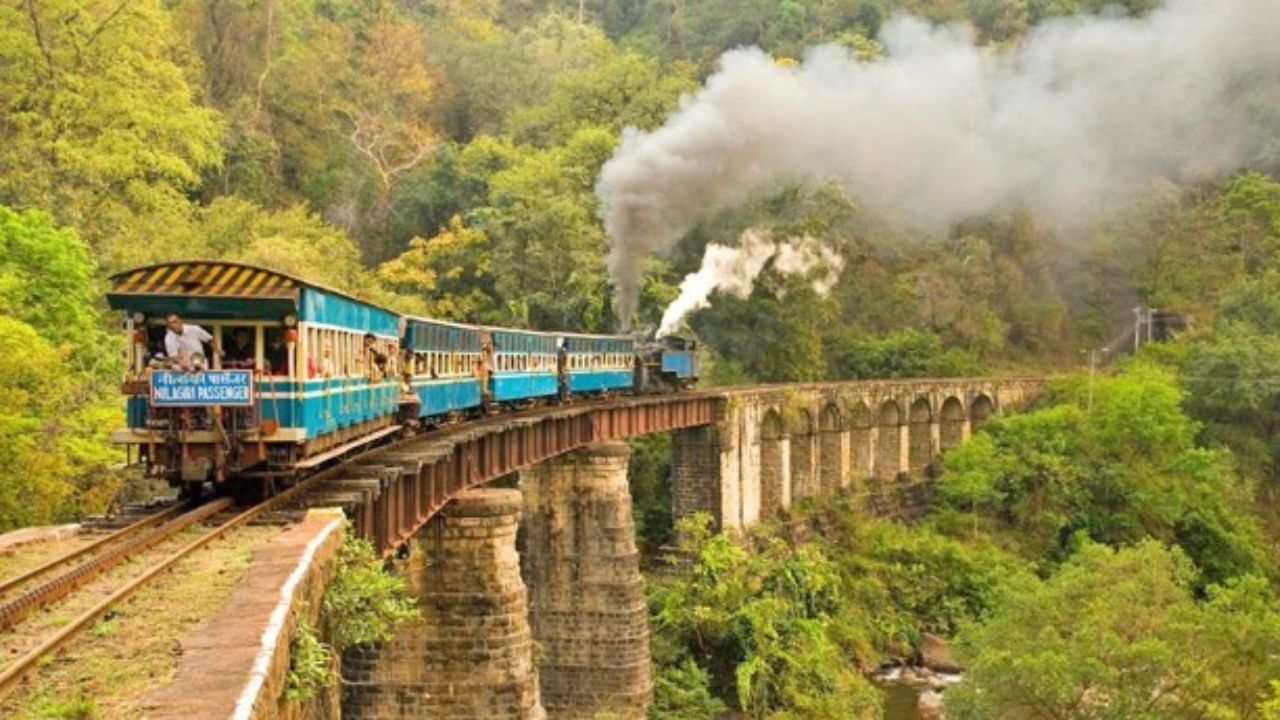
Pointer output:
734, 270
1081, 112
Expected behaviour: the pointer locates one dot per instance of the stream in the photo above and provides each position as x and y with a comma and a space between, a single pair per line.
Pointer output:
900, 701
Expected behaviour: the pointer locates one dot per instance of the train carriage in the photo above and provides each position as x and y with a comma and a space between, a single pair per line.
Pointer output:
294, 372
598, 363
442, 359
522, 365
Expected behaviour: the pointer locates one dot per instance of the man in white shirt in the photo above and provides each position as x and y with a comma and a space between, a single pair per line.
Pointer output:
184, 343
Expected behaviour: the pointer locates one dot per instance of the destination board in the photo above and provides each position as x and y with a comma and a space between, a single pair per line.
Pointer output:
174, 388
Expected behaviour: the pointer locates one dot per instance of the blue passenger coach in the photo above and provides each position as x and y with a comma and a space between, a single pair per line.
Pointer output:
598, 363
442, 358
288, 377
522, 365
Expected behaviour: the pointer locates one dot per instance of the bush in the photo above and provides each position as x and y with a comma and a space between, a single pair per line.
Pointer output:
364, 604
683, 692
310, 664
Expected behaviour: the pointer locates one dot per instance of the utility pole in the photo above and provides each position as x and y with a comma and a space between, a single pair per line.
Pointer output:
1151, 325
1137, 328
1094, 354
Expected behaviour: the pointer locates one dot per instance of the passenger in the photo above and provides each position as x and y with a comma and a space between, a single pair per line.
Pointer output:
327, 366
375, 357
239, 351
276, 354
184, 344
481, 373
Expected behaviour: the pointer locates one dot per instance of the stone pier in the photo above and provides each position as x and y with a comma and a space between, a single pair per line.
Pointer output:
470, 657
587, 605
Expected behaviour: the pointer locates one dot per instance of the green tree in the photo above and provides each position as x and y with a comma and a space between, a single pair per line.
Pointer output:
1118, 634
767, 621
901, 353
292, 240
1231, 378
548, 248
47, 281
1125, 469
34, 475
623, 89
100, 123
451, 272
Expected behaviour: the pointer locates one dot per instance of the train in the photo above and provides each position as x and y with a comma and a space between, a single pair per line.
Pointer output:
243, 374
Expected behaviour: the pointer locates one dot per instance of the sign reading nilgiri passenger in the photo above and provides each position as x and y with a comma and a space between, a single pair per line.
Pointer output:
172, 388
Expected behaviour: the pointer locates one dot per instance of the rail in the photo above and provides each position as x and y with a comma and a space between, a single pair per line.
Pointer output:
9, 584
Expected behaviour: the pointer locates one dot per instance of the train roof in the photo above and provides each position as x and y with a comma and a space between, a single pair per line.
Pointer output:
539, 333
206, 287
592, 336
446, 323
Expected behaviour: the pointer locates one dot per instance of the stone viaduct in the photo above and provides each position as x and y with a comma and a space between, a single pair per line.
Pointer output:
532, 599
560, 628
773, 445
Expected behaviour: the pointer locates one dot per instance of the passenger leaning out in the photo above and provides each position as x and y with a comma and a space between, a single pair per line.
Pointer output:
184, 344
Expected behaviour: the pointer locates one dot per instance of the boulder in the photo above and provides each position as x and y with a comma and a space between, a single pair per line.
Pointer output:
935, 654
930, 705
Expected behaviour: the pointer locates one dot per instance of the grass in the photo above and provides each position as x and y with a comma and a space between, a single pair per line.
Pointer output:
105, 672
27, 557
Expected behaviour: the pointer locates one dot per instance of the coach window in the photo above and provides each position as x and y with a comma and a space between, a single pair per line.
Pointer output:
238, 347
275, 353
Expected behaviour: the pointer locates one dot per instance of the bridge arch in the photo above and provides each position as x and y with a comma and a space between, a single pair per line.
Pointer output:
831, 448
774, 470
980, 409
920, 435
861, 452
889, 441
951, 430
803, 480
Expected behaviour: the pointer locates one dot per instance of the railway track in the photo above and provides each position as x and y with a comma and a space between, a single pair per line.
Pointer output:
117, 547
106, 553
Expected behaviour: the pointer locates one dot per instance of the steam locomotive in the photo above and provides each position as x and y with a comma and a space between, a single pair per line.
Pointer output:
291, 375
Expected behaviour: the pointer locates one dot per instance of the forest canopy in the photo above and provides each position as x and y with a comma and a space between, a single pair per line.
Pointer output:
444, 157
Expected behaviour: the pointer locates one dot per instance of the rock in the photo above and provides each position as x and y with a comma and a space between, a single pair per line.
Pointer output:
930, 705
936, 655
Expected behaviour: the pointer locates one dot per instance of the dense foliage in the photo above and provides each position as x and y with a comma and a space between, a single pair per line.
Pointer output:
1116, 462
1092, 557
441, 156
785, 627
1119, 634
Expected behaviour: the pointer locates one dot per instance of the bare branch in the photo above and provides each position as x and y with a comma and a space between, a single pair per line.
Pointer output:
34, 15
93, 36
